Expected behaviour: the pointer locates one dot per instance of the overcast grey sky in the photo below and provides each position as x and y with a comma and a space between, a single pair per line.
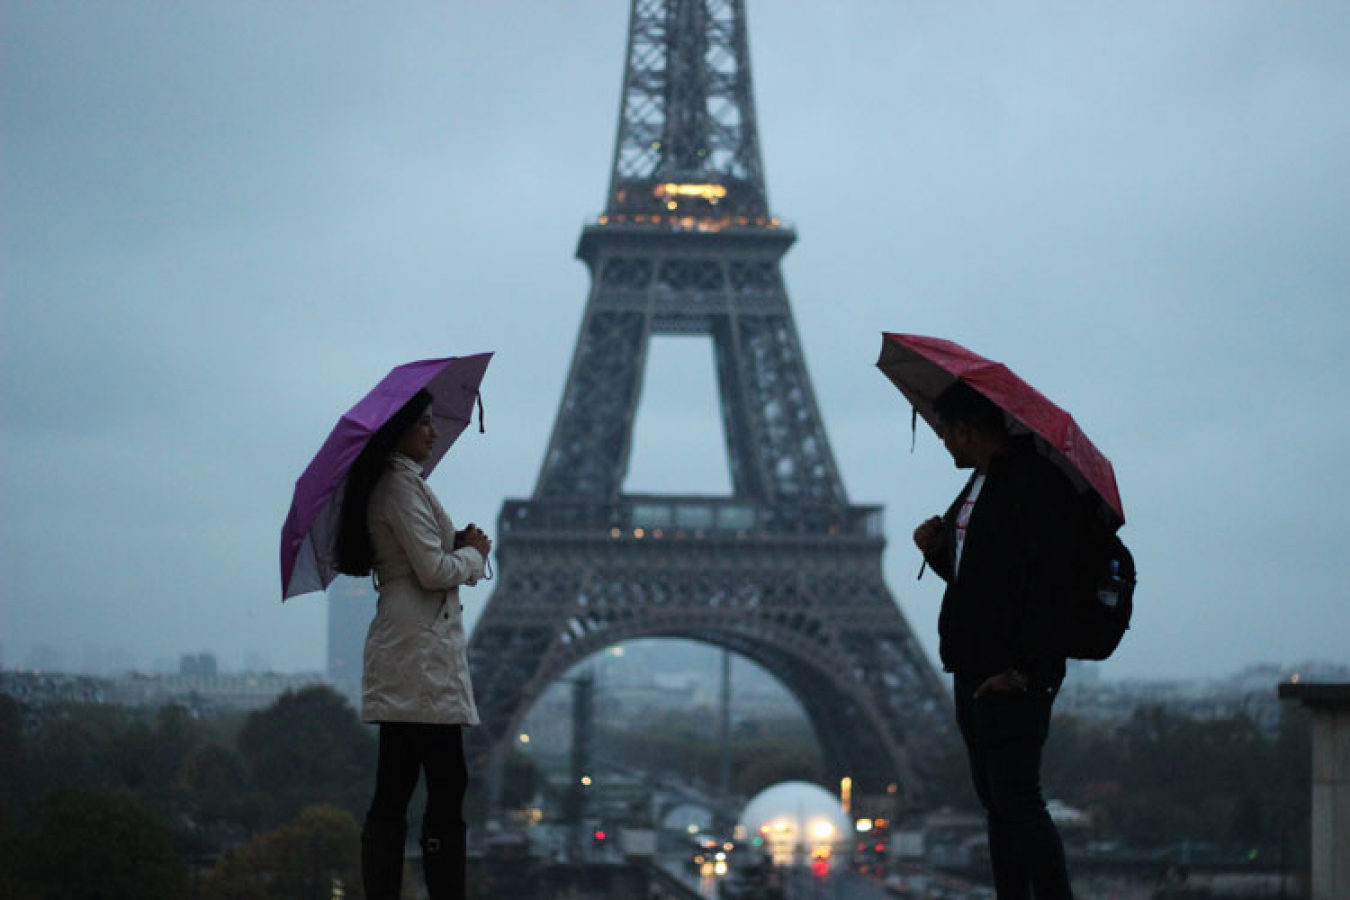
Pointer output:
224, 221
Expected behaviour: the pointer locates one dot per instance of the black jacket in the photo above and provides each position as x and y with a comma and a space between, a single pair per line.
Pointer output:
1008, 605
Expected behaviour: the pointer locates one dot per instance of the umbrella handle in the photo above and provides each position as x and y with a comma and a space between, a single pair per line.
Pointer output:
478, 395
913, 434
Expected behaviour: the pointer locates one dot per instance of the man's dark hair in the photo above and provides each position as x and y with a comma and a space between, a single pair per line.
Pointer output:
354, 553
962, 403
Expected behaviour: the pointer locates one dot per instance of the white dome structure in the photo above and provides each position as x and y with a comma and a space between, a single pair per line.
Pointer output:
800, 823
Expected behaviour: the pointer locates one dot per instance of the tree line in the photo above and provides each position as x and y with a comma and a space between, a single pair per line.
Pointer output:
1150, 784
1161, 780
109, 801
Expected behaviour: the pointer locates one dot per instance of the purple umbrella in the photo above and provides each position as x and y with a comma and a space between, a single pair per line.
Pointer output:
308, 535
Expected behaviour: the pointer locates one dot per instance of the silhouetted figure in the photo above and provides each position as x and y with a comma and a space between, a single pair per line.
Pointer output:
1006, 550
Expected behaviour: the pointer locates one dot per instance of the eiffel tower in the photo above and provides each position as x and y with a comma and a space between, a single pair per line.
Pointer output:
785, 571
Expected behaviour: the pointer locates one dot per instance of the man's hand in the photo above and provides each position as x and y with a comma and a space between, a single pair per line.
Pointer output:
928, 537
1011, 680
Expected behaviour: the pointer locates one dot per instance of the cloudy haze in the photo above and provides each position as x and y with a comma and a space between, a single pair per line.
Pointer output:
223, 222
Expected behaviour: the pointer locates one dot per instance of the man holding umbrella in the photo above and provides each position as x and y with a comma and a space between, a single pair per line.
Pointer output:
1017, 548
1006, 548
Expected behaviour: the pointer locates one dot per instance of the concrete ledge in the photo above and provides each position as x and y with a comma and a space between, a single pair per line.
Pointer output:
1330, 706
1320, 695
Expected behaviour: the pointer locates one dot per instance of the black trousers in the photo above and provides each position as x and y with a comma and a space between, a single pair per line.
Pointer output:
1004, 733
408, 749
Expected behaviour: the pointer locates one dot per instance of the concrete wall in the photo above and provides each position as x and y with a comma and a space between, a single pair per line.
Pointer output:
1330, 705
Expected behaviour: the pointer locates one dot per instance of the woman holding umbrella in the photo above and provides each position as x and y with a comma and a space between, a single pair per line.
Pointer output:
415, 680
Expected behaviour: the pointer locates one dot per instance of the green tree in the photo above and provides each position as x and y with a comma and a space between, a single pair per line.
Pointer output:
686, 745
755, 765
69, 747
1161, 779
308, 748
303, 860
11, 744
9, 881
97, 845
520, 779
215, 803
213, 776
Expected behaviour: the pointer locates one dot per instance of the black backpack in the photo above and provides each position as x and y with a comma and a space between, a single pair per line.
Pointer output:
1103, 588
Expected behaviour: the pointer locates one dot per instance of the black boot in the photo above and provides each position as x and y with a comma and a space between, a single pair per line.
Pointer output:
382, 859
444, 859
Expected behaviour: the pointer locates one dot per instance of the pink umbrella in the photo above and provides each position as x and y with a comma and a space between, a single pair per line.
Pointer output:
923, 367
307, 557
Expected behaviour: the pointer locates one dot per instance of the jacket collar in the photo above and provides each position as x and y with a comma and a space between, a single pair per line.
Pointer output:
1019, 448
400, 461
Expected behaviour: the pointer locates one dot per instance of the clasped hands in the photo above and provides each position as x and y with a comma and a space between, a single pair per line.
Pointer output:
472, 536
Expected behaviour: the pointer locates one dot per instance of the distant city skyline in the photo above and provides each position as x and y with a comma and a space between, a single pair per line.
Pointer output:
671, 656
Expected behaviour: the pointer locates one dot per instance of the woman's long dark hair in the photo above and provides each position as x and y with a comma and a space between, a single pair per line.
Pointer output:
354, 553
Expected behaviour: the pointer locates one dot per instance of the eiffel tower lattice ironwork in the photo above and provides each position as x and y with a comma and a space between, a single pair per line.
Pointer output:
785, 572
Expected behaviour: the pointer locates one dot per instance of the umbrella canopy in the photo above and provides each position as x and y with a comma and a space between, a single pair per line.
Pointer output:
308, 535
923, 367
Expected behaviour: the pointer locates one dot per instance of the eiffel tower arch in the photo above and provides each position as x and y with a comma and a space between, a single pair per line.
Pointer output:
785, 571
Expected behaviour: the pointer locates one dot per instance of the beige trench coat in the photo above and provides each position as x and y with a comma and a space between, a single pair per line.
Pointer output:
416, 668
